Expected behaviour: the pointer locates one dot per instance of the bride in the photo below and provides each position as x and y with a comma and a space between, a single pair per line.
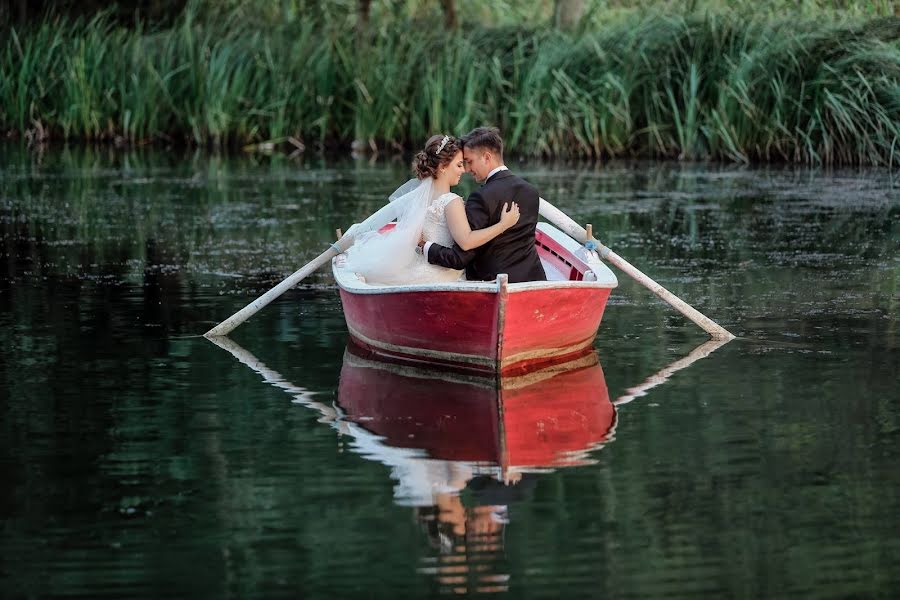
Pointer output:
425, 208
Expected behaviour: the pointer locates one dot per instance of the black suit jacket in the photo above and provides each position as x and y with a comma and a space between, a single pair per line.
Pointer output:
513, 251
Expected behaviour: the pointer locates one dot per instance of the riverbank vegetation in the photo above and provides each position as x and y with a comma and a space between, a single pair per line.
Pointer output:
696, 81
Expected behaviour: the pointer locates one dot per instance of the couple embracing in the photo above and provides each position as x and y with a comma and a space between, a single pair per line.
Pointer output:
440, 238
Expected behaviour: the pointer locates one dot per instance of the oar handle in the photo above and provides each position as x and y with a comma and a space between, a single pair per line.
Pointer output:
577, 232
565, 222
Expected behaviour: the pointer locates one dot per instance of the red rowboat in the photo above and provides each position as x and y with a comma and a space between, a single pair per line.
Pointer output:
548, 418
491, 327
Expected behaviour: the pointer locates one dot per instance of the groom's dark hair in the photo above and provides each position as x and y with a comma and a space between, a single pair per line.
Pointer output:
484, 137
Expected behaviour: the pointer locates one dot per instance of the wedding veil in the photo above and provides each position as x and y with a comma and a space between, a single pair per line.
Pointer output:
387, 258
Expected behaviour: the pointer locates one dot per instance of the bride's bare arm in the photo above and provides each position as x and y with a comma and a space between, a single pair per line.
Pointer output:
462, 233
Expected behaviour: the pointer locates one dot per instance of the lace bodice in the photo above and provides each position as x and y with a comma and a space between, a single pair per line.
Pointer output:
435, 228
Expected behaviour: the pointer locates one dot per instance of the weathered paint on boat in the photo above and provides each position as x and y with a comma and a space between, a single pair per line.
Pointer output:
493, 327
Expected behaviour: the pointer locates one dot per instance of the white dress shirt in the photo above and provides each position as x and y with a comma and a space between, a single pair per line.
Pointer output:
495, 171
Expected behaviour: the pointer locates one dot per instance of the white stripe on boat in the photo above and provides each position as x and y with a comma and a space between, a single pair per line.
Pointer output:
454, 357
547, 352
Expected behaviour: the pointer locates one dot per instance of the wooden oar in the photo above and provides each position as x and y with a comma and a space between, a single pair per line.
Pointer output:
375, 222
229, 324
577, 232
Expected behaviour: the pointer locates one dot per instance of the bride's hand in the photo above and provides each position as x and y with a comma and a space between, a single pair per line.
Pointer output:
510, 215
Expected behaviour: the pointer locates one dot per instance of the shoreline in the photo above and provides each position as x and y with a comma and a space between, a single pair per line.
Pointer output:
711, 87
404, 159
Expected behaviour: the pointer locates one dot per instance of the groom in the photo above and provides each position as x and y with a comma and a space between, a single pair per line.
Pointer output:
512, 252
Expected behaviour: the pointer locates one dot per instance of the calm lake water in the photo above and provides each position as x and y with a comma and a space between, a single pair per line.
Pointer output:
140, 460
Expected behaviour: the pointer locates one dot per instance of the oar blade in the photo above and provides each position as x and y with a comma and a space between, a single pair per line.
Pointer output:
235, 320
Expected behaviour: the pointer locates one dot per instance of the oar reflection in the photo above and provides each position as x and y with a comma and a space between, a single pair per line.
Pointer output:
662, 376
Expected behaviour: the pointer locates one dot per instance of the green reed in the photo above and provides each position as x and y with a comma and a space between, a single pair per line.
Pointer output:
717, 85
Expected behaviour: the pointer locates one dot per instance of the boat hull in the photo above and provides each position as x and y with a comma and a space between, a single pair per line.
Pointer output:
479, 331
493, 327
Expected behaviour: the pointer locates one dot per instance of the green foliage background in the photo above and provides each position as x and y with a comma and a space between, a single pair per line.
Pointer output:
809, 82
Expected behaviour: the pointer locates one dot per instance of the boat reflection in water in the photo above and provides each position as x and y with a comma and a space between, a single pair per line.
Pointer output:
463, 448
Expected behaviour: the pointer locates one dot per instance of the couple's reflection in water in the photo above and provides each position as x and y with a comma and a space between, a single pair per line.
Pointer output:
464, 450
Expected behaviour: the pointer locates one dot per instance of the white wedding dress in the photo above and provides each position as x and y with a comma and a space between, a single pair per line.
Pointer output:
390, 258
436, 230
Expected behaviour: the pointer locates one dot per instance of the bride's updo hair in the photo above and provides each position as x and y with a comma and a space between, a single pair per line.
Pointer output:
439, 151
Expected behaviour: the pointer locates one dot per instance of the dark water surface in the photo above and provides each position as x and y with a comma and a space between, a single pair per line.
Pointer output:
140, 460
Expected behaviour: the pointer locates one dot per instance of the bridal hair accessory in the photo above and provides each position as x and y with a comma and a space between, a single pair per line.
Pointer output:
443, 143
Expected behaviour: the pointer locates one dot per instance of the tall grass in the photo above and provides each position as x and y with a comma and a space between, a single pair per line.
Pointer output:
716, 85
